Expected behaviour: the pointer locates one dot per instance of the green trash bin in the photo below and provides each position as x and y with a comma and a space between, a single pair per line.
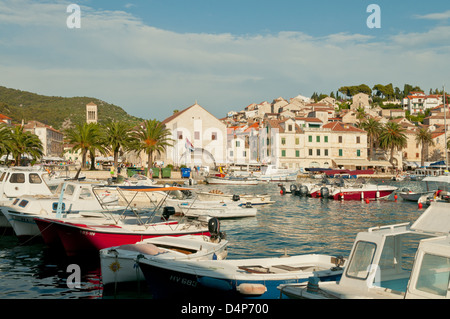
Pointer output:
155, 172
166, 172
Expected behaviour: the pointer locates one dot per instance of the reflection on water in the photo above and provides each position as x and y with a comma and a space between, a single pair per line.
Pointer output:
293, 225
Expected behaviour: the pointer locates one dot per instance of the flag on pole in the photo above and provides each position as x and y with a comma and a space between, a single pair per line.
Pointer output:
189, 145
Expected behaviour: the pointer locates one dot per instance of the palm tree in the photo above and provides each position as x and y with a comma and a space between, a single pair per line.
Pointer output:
392, 138
373, 129
152, 137
6, 144
360, 115
117, 138
24, 142
424, 138
84, 137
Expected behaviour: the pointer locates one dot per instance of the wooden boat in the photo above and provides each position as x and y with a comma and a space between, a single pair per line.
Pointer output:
118, 264
379, 266
239, 278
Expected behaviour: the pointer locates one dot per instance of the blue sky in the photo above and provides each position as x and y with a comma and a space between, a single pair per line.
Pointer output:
151, 57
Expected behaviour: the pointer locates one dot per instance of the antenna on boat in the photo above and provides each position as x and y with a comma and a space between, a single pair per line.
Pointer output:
445, 130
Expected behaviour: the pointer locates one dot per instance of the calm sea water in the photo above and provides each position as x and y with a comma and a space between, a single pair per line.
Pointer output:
293, 225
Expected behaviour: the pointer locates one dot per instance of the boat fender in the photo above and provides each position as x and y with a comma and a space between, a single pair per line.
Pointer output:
236, 197
251, 289
283, 190
293, 188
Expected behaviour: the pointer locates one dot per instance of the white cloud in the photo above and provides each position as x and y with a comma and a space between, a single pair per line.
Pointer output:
435, 16
149, 72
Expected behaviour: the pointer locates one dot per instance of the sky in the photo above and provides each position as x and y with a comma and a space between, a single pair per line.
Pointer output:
153, 57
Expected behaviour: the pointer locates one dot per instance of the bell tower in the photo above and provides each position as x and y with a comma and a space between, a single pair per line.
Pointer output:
91, 113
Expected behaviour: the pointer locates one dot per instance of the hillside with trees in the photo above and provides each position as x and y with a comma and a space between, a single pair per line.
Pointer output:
59, 112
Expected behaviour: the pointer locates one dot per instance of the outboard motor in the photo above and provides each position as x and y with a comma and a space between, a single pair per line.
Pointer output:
282, 189
293, 188
236, 197
214, 229
167, 212
324, 192
304, 190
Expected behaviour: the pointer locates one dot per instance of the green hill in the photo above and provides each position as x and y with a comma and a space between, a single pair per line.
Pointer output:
56, 111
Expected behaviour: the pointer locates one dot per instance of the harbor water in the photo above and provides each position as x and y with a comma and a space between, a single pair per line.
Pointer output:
292, 225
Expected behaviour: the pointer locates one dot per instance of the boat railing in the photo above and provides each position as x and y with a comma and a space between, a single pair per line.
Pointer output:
392, 228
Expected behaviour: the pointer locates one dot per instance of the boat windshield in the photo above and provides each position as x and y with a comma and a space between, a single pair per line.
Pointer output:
434, 275
362, 259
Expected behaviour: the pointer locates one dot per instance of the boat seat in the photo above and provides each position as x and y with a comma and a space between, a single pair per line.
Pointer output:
300, 268
256, 269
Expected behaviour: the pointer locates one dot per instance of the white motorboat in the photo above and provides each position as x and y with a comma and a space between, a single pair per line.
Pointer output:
231, 180
213, 209
72, 198
118, 264
439, 188
18, 181
219, 196
271, 173
412, 196
392, 262
84, 235
238, 278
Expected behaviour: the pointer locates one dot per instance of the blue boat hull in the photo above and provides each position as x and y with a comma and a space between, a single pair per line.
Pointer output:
165, 283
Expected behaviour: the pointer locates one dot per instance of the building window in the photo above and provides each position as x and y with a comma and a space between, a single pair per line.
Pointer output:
417, 155
340, 152
326, 152
318, 152
290, 127
283, 153
196, 135
283, 141
310, 152
244, 153
318, 139
325, 139
213, 136
297, 141
297, 153
340, 139
358, 139
309, 138
180, 135
358, 153
238, 143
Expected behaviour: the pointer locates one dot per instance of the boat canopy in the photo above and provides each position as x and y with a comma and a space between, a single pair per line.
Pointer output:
436, 219
153, 188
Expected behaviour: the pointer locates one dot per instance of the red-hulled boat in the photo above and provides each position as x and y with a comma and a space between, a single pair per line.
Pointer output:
83, 236
92, 234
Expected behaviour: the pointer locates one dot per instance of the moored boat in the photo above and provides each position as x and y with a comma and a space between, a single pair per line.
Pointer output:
78, 235
118, 264
238, 278
379, 266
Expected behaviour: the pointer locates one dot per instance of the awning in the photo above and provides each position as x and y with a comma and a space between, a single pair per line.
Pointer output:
361, 162
351, 162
